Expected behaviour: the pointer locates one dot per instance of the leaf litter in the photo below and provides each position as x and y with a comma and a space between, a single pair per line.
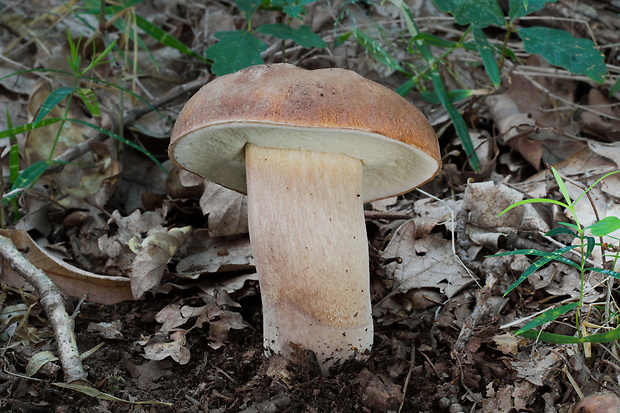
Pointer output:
193, 337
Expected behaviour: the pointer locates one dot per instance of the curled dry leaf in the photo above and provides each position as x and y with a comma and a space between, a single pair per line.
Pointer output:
151, 260
72, 280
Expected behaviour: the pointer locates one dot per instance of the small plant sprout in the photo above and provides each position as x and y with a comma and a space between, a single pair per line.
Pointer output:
585, 245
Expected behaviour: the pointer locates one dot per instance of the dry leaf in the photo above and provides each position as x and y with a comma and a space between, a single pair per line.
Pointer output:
485, 201
426, 263
227, 210
72, 280
205, 254
507, 343
150, 262
175, 350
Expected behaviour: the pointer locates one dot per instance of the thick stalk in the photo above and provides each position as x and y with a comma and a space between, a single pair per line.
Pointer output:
309, 239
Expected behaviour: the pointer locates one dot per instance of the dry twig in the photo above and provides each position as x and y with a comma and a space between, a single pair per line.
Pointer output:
53, 303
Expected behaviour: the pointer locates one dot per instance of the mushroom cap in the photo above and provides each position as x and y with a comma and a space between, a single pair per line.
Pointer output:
326, 110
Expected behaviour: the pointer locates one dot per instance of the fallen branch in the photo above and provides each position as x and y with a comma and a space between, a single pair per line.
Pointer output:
53, 303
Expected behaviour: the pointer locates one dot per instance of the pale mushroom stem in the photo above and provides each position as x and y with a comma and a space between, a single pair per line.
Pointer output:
309, 239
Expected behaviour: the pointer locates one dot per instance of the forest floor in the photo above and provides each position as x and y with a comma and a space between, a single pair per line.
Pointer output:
192, 341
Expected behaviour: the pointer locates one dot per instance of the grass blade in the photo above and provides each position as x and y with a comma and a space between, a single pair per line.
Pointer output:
486, 53
457, 120
13, 151
51, 101
164, 38
90, 100
547, 316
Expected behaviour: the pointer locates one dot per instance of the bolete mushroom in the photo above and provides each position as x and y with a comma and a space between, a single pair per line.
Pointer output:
309, 147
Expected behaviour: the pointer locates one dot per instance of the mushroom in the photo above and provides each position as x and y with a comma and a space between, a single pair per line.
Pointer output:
309, 147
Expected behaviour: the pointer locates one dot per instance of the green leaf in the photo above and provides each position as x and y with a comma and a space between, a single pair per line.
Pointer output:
561, 185
121, 140
27, 127
302, 36
27, 178
520, 8
432, 40
570, 225
51, 101
164, 38
375, 49
590, 244
557, 231
533, 201
454, 95
480, 13
604, 226
606, 337
90, 100
247, 7
13, 151
547, 316
457, 120
560, 48
556, 256
235, 51
610, 273
536, 265
488, 58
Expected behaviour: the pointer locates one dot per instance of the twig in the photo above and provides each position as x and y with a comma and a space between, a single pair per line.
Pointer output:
411, 365
53, 303
482, 306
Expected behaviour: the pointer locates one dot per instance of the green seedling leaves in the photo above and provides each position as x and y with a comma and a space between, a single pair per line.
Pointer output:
303, 36
605, 226
486, 53
547, 316
164, 38
247, 7
235, 50
480, 13
375, 49
560, 48
520, 8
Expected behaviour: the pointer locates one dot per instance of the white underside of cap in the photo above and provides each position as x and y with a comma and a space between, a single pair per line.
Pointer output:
390, 167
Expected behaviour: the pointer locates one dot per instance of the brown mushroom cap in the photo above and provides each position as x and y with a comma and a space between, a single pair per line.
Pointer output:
326, 110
